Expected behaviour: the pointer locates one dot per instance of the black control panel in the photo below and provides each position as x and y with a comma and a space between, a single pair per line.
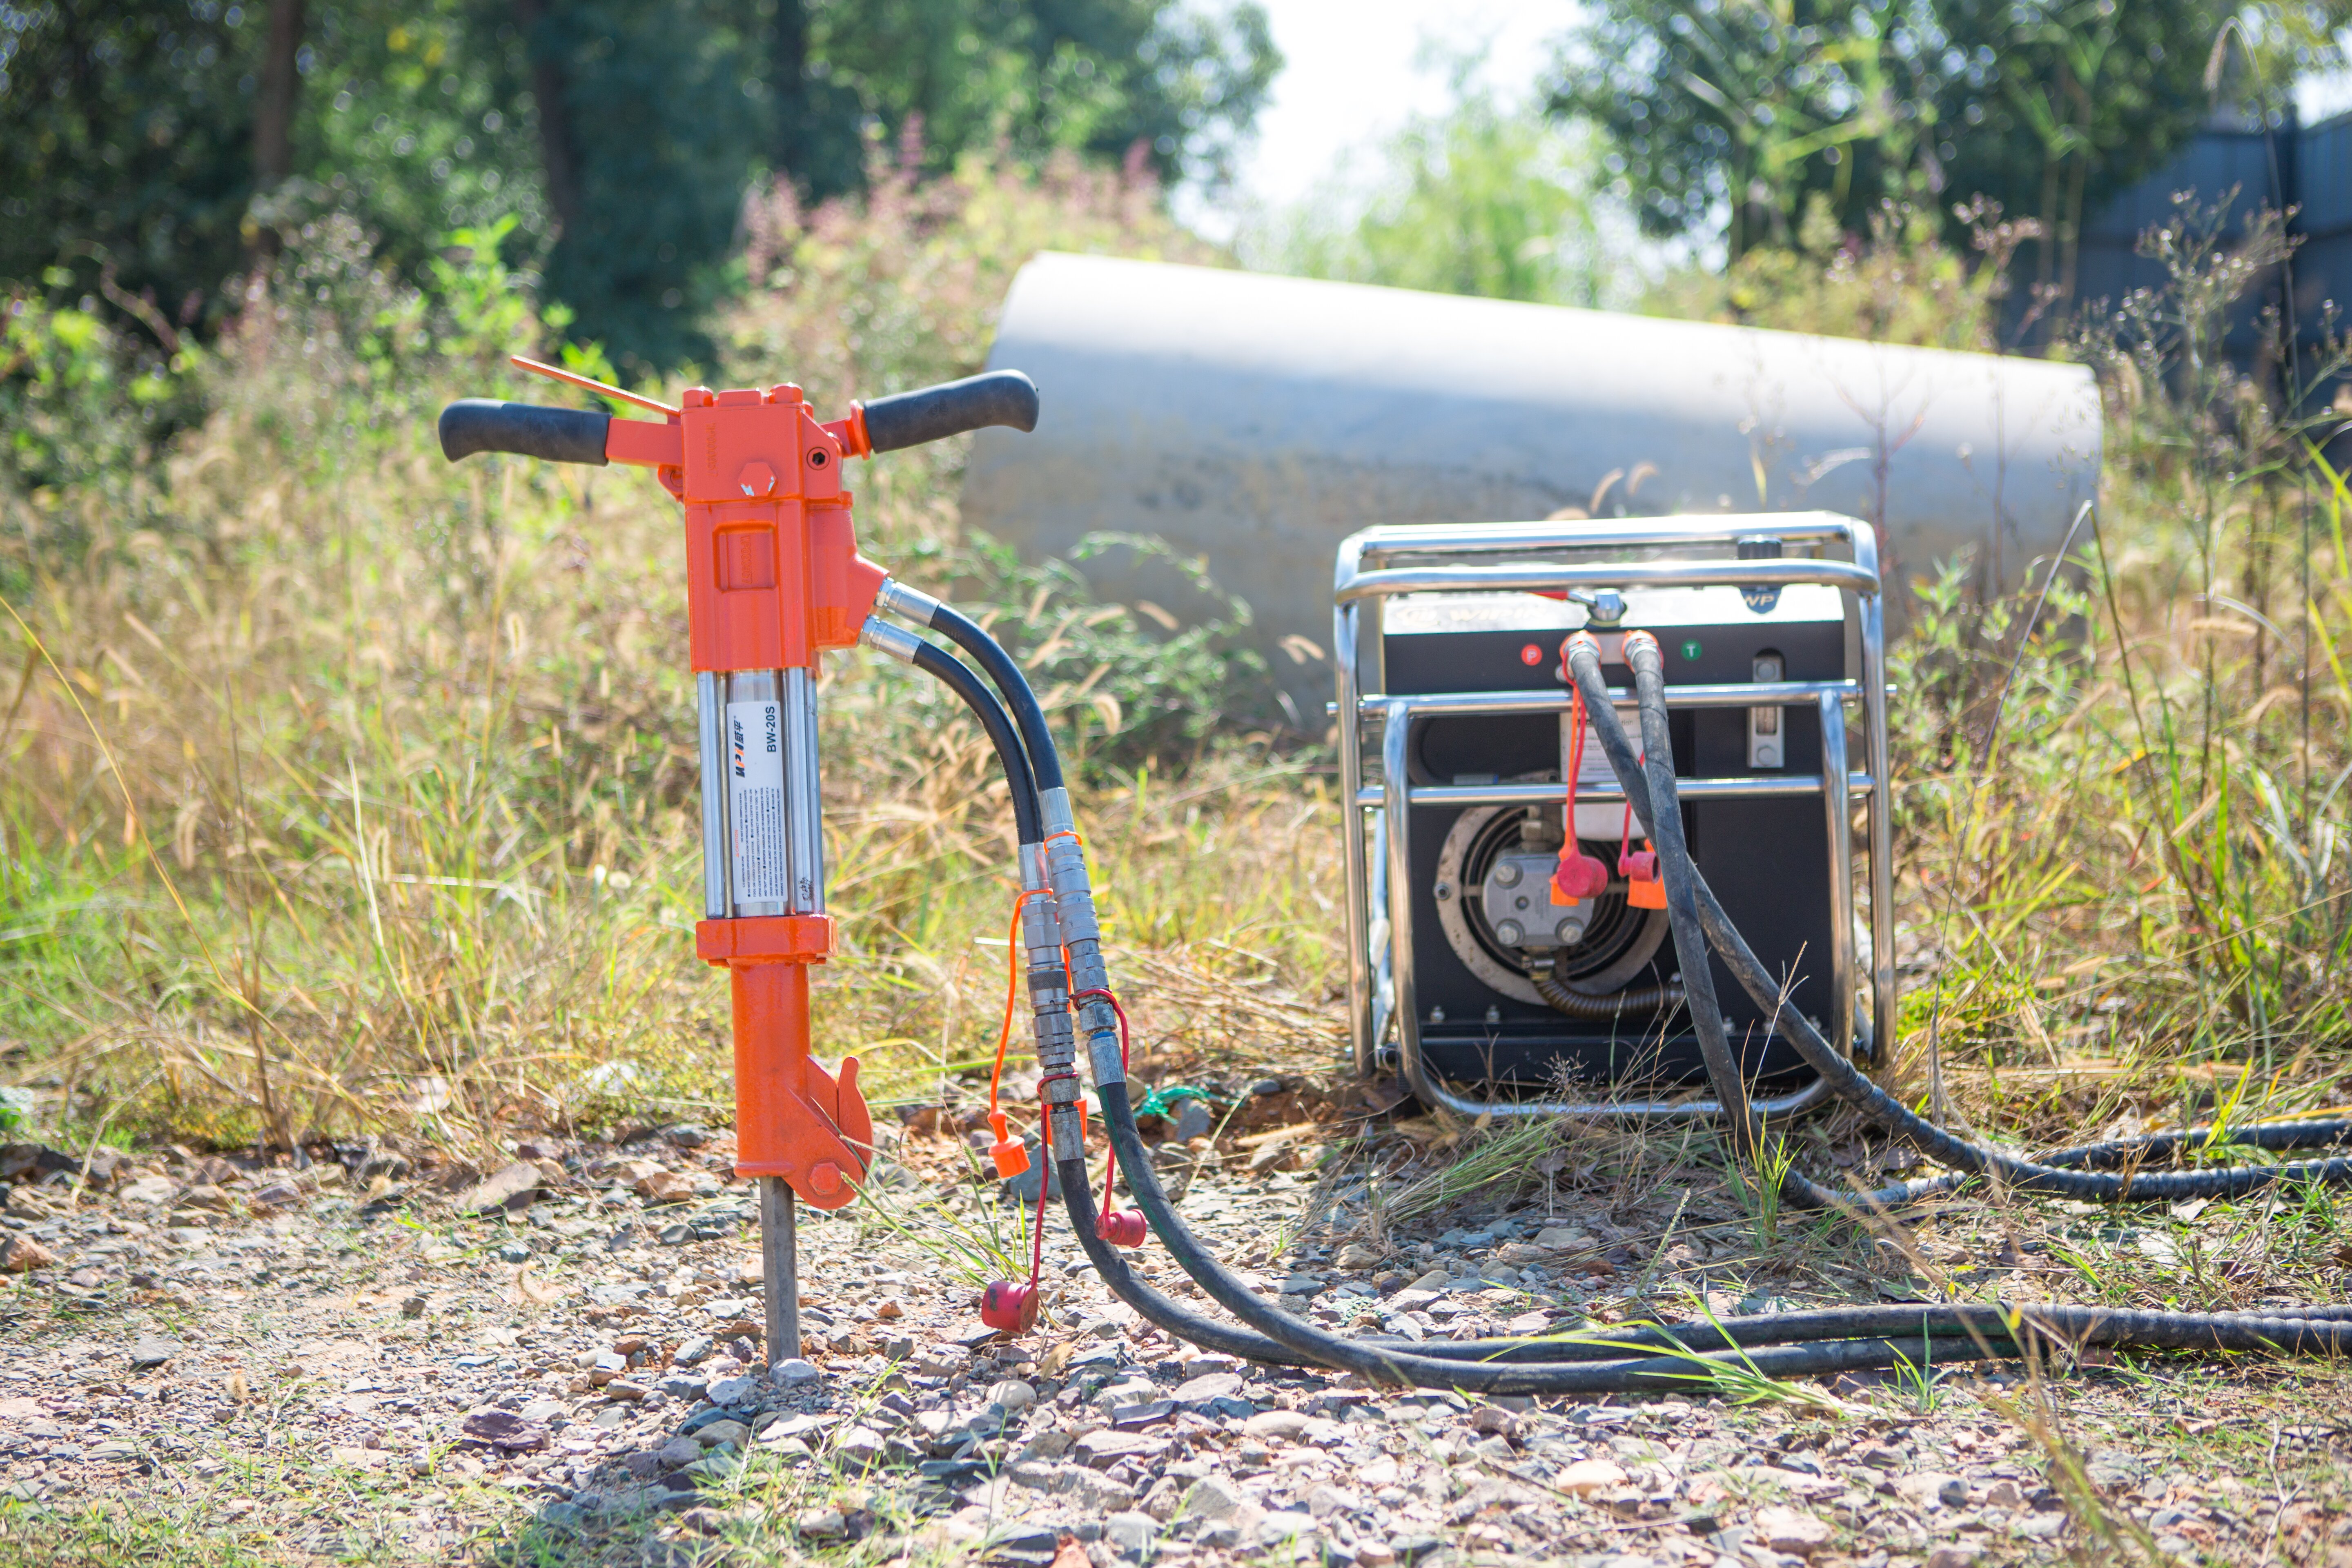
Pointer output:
1767, 858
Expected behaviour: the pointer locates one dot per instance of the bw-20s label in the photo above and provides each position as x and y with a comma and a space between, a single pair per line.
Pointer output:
755, 801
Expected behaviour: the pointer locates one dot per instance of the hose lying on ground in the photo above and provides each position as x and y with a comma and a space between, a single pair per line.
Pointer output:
1783, 1344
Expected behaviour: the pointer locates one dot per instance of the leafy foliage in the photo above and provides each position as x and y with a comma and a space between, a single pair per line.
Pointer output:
620, 137
1740, 112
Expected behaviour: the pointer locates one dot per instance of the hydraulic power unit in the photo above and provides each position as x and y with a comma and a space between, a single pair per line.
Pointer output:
1484, 971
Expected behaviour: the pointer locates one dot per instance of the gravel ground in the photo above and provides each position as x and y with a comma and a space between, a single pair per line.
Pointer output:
361, 1355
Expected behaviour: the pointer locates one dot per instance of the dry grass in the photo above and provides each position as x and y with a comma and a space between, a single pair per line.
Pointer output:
349, 790
345, 789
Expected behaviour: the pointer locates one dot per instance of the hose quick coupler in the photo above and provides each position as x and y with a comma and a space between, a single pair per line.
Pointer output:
896, 598
883, 637
1642, 647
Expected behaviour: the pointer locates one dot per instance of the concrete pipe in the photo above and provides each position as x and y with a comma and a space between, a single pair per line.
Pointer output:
1256, 421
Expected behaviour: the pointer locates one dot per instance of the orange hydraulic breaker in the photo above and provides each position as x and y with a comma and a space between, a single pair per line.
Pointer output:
774, 580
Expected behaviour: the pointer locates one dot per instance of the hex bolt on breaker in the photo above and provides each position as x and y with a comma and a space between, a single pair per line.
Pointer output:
775, 580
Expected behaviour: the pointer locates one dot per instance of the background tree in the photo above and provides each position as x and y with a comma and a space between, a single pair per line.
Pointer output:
1728, 115
157, 150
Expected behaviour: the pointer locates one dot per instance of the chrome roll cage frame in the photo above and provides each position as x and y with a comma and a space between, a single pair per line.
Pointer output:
1379, 563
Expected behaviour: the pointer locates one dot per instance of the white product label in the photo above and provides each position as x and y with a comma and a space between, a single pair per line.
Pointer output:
755, 801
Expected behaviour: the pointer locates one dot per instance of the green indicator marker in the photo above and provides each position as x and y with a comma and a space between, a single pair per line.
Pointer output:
1690, 651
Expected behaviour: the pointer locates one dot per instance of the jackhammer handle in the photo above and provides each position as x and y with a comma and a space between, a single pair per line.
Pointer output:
911, 418
473, 424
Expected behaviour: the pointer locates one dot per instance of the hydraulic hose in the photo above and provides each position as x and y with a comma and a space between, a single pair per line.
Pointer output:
961, 680
1654, 1358
1045, 760
1577, 1005
1682, 905
1847, 1080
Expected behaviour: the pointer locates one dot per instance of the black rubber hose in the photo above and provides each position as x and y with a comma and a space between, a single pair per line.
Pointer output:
961, 680
1681, 903
1110, 1264
1849, 1083
1577, 1005
967, 633
2284, 1329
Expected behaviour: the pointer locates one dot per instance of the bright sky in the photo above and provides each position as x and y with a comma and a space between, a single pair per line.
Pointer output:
1351, 74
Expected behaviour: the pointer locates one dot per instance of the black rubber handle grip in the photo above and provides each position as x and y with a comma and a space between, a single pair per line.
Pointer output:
473, 424
911, 418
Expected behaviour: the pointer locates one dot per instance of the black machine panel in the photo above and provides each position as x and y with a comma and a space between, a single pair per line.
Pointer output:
1766, 858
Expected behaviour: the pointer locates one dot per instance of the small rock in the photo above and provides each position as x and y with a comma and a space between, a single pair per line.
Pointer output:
1953, 1554
1136, 1417
1284, 1425
1052, 1443
622, 1388
1132, 1533
2004, 1494
1325, 1502
274, 1198
1586, 1477
686, 1387
679, 1453
1788, 1532
544, 1412
1160, 1501
1277, 1527
663, 1187
1207, 1386
205, 1196
1356, 1255
150, 1351
30, 1162
719, 1433
820, 1523
22, 1254
795, 1372
504, 1429
1012, 1395
150, 1190
1104, 1449
1932, 1488
414, 1307
1495, 1422
858, 1445
693, 1348
1212, 1498
733, 1391
1193, 1119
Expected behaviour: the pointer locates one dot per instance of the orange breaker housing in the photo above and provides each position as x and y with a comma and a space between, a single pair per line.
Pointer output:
774, 578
